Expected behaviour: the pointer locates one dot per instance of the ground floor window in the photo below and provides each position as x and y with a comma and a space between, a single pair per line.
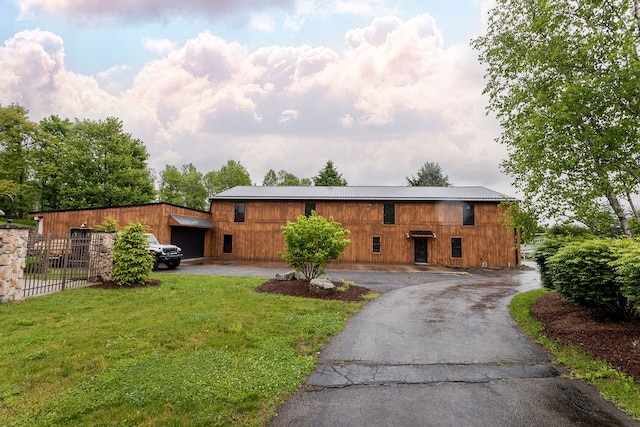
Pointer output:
376, 244
227, 245
456, 247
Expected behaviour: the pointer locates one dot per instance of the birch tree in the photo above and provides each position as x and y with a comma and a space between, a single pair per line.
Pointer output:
563, 79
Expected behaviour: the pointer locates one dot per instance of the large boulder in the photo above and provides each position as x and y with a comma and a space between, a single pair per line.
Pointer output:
322, 286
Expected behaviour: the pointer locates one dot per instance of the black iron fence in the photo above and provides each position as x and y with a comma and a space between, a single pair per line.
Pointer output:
56, 263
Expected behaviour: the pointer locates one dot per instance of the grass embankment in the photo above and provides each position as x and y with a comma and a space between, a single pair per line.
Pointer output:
613, 385
194, 351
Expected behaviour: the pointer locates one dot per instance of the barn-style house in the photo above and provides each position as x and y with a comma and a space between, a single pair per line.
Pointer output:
451, 226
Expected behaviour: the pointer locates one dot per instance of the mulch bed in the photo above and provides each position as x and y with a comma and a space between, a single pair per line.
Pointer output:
300, 288
616, 341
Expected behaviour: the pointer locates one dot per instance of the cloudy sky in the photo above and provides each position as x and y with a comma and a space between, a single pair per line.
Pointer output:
378, 86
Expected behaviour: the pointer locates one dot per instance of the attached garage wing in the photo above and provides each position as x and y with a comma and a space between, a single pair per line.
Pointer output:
189, 233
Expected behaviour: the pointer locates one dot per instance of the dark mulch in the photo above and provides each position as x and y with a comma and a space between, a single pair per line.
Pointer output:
114, 285
616, 341
300, 288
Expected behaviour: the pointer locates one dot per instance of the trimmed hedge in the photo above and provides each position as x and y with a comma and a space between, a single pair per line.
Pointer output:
600, 273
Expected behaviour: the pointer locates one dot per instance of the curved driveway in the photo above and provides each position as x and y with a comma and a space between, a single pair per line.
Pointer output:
439, 350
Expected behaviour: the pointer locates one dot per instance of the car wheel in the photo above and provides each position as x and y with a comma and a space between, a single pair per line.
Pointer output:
173, 264
156, 263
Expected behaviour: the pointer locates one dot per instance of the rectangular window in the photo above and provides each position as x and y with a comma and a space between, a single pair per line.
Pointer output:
456, 247
468, 216
376, 244
389, 213
239, 212
227, 245
308, 208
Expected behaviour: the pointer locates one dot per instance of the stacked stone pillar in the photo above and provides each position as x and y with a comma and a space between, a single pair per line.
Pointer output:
13, 253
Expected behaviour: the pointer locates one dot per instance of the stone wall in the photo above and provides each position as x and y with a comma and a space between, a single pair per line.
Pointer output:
13, 252
101, 259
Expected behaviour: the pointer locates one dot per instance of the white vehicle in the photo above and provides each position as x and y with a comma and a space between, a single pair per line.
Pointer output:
169, 255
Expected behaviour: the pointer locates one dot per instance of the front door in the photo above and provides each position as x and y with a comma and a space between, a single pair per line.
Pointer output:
420, 250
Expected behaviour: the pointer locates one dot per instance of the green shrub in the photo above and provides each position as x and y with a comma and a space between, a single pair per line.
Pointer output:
132, 261
583, 274
312, 242
35, 264
109, 224
555, 238
627, 268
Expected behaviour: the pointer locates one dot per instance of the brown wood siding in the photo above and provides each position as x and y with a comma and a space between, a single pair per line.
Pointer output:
259, 237
155, 216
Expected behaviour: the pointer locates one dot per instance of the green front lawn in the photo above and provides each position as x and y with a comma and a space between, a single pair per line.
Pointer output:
196, 350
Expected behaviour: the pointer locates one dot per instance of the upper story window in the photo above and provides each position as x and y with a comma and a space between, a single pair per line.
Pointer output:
308, 208
389, 213
239, 212
468, 215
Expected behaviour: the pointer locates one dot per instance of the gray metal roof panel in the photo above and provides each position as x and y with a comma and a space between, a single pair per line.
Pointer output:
362, 193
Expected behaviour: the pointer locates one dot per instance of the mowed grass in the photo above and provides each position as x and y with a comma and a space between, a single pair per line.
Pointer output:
195, 350
615, 386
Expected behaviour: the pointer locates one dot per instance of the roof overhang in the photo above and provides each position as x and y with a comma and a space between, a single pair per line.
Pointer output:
190, 221
421, 233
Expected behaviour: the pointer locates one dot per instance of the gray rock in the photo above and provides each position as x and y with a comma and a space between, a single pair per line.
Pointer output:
289, 275
322, 286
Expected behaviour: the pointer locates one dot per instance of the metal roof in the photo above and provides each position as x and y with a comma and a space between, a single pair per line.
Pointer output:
409, 194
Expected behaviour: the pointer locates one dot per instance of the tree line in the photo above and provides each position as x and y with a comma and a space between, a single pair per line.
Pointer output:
59, 164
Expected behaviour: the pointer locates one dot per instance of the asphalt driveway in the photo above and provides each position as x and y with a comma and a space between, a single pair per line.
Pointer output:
437, 350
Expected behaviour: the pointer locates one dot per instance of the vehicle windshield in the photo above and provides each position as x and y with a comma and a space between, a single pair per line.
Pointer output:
151, 239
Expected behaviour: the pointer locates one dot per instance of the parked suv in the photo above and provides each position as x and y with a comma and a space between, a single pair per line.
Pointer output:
169, 255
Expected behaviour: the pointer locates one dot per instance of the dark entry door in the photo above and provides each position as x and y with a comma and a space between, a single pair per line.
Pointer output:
190, 240
420, 250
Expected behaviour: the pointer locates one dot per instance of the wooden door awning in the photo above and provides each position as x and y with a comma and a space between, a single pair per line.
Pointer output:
421, 233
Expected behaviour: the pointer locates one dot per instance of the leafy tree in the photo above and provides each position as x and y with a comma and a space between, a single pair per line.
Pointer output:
170, 187
184, 187
17, 137
195, 193
284, 178
132, 261
103, 166
429, 175
312, 243
49, 157
329, 176
230, 175
270, 179
562, 79
515, 217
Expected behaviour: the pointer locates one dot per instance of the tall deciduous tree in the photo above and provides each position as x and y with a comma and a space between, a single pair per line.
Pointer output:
230, 175
329, 176
429, 175
49, 159
104, 166
17, 138
563, 79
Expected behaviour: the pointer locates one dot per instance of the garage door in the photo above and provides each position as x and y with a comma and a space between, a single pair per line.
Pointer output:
191, 240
